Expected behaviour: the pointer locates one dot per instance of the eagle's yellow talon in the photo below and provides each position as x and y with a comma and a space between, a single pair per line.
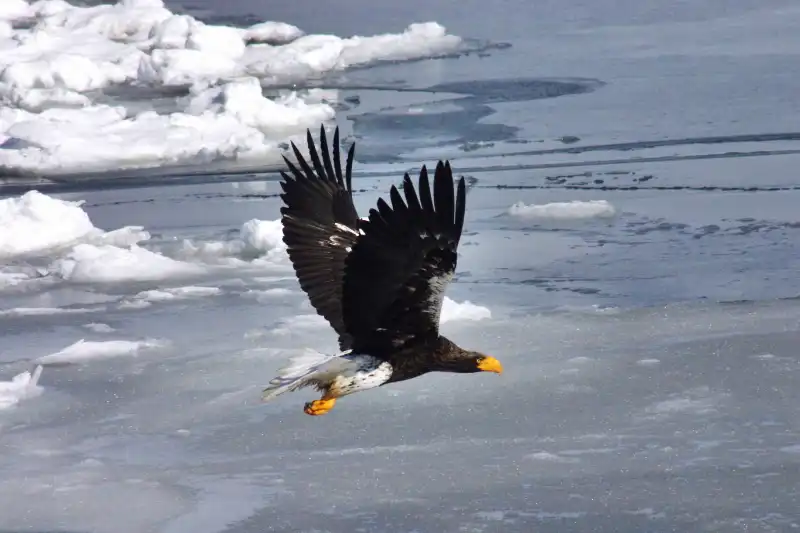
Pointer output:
319, 407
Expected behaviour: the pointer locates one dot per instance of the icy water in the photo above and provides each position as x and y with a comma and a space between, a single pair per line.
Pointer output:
630, 254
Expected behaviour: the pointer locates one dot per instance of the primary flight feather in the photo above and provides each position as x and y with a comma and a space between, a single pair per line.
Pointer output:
379, 282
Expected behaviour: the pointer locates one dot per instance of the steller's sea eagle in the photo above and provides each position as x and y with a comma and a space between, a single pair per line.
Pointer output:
379, 282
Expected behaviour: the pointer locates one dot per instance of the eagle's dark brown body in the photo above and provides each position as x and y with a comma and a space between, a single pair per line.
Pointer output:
380, 282
439, 354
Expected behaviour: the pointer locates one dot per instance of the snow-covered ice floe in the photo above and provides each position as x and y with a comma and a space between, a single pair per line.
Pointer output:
57, 59
22, 386
84, 351
574, 210
60, 235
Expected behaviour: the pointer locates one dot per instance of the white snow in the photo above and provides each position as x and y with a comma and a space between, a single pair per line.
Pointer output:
551, 457
87, 263
83, 351
259, 242
41, 311
99, 327
263, 236
35, 222
177, 293
274, 32
648, 362
22, 386
574, 210
51, 122
453, 311
38, 224
265, 295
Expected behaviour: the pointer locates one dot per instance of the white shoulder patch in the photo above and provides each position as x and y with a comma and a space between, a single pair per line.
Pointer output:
437, 286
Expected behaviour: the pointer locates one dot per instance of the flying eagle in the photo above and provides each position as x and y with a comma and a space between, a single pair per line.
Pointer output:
379, 282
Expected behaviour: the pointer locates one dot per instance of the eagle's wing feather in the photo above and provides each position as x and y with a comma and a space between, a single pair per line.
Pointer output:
320, 225
398, 270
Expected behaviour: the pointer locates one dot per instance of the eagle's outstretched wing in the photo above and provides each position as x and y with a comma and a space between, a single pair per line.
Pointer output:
320, 225
398, 270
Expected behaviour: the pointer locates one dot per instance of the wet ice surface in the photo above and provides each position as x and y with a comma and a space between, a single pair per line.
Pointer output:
630, 245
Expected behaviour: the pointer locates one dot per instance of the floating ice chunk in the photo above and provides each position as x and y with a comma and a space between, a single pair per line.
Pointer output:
244, 101
251, 186
273, 32
454, 311
183, 66
765, 356
50, 74
259, 241
87, 263
21, 387
233, 121
267, 295
36, 100
648, 362
313, 54
183, 31
74, 72
155, 295
172, 32
83, 351
43, 311
262, 236
574, 210
123, 237
35, 222
418, 40
125, 21
134, 304
98, 327
219, 40
551, 457
187, 50
177, 293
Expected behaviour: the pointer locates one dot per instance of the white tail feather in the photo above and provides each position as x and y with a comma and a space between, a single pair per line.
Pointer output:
307, 369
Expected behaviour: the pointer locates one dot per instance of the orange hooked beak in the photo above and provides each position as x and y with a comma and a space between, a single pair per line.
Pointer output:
490, 364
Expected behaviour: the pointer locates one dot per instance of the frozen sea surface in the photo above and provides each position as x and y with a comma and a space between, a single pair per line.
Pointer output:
630, 254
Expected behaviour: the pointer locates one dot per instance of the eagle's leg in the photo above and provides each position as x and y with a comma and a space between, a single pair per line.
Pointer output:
321, 406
